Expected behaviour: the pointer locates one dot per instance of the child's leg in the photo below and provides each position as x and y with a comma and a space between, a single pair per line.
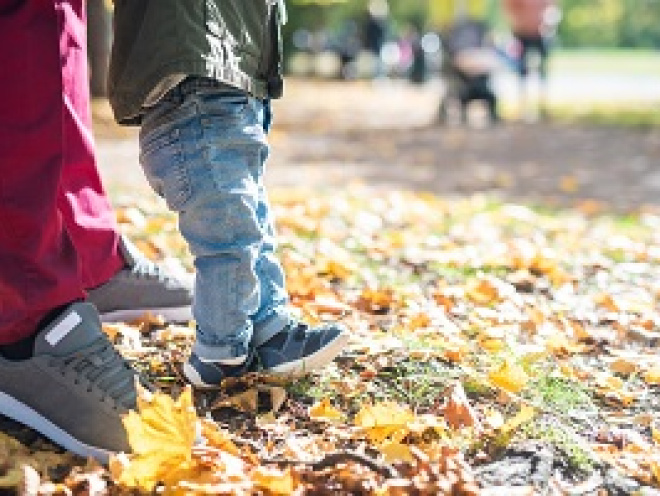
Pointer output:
271, 316
203, 154
204, 151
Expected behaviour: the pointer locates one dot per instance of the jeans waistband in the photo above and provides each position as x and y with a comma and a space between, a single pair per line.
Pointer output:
193, 84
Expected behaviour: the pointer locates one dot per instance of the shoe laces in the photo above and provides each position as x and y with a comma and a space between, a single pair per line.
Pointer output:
101, 367
299, 330
146, 269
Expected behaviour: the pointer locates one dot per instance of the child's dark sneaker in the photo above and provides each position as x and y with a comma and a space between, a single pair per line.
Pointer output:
204, 374
299, 348
296, 350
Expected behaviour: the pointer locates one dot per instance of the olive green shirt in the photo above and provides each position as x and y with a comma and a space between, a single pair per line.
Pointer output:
236, 42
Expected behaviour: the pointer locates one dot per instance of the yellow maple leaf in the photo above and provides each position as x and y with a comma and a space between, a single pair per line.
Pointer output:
509, 376
607, 301
491, 345
217, 438
395, 452
341, 269
525, 414
419, 321
273, 481
608, 382
652, 376
323, 410
161, 435
385, 421
655, 433
655, 468
482, 291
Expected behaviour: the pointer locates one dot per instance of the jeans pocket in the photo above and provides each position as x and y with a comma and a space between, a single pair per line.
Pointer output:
226, 106
165, 170
159, 127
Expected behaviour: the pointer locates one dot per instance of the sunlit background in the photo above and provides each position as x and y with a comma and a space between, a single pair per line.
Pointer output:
373, 92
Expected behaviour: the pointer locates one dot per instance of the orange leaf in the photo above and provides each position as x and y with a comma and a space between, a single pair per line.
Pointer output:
607, 302
457, 409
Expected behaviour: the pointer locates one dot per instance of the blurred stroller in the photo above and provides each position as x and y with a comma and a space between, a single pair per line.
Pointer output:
469, 60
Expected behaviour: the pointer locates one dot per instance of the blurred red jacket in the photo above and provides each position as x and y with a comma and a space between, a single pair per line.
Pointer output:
527, 17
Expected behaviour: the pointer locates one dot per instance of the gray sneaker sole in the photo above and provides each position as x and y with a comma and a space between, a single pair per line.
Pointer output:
313, 362
170, 314
195, 379
18, 411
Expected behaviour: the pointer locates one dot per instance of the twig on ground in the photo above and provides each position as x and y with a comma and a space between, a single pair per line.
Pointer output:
332, 459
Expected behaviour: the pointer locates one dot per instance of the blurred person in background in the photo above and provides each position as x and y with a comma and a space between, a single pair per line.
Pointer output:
376, 27
468, 65
533, 24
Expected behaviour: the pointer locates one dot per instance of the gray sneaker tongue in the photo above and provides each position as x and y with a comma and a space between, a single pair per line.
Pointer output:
76, 328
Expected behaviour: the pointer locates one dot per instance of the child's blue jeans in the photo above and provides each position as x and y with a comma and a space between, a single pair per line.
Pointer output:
203, 149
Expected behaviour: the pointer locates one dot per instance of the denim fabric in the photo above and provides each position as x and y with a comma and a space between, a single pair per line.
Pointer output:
204, 152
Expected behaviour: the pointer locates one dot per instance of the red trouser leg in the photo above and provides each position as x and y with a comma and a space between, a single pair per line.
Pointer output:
40, 151
88, 216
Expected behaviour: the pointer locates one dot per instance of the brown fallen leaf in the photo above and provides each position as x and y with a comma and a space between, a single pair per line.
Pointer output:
457, 409
246, 401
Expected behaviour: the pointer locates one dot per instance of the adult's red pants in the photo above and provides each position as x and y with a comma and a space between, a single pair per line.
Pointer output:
57, 231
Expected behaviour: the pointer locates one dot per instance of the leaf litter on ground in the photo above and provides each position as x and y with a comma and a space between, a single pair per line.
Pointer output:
492, 345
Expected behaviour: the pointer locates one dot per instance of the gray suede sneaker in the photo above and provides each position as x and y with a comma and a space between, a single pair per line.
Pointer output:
142, 287
75, 387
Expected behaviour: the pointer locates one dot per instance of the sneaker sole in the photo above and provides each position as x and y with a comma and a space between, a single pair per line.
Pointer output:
170, 314
20, 412
314, 361
193, 377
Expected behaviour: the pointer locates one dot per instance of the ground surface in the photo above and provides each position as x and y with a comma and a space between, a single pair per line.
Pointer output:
496, 348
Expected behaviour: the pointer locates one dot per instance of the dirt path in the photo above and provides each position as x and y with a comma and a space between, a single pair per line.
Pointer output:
327, 134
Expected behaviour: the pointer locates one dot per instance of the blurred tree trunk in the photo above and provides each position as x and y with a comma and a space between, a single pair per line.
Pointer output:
98, 45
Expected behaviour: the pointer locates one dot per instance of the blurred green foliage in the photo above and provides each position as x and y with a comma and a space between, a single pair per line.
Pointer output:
611, 23
585, 23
